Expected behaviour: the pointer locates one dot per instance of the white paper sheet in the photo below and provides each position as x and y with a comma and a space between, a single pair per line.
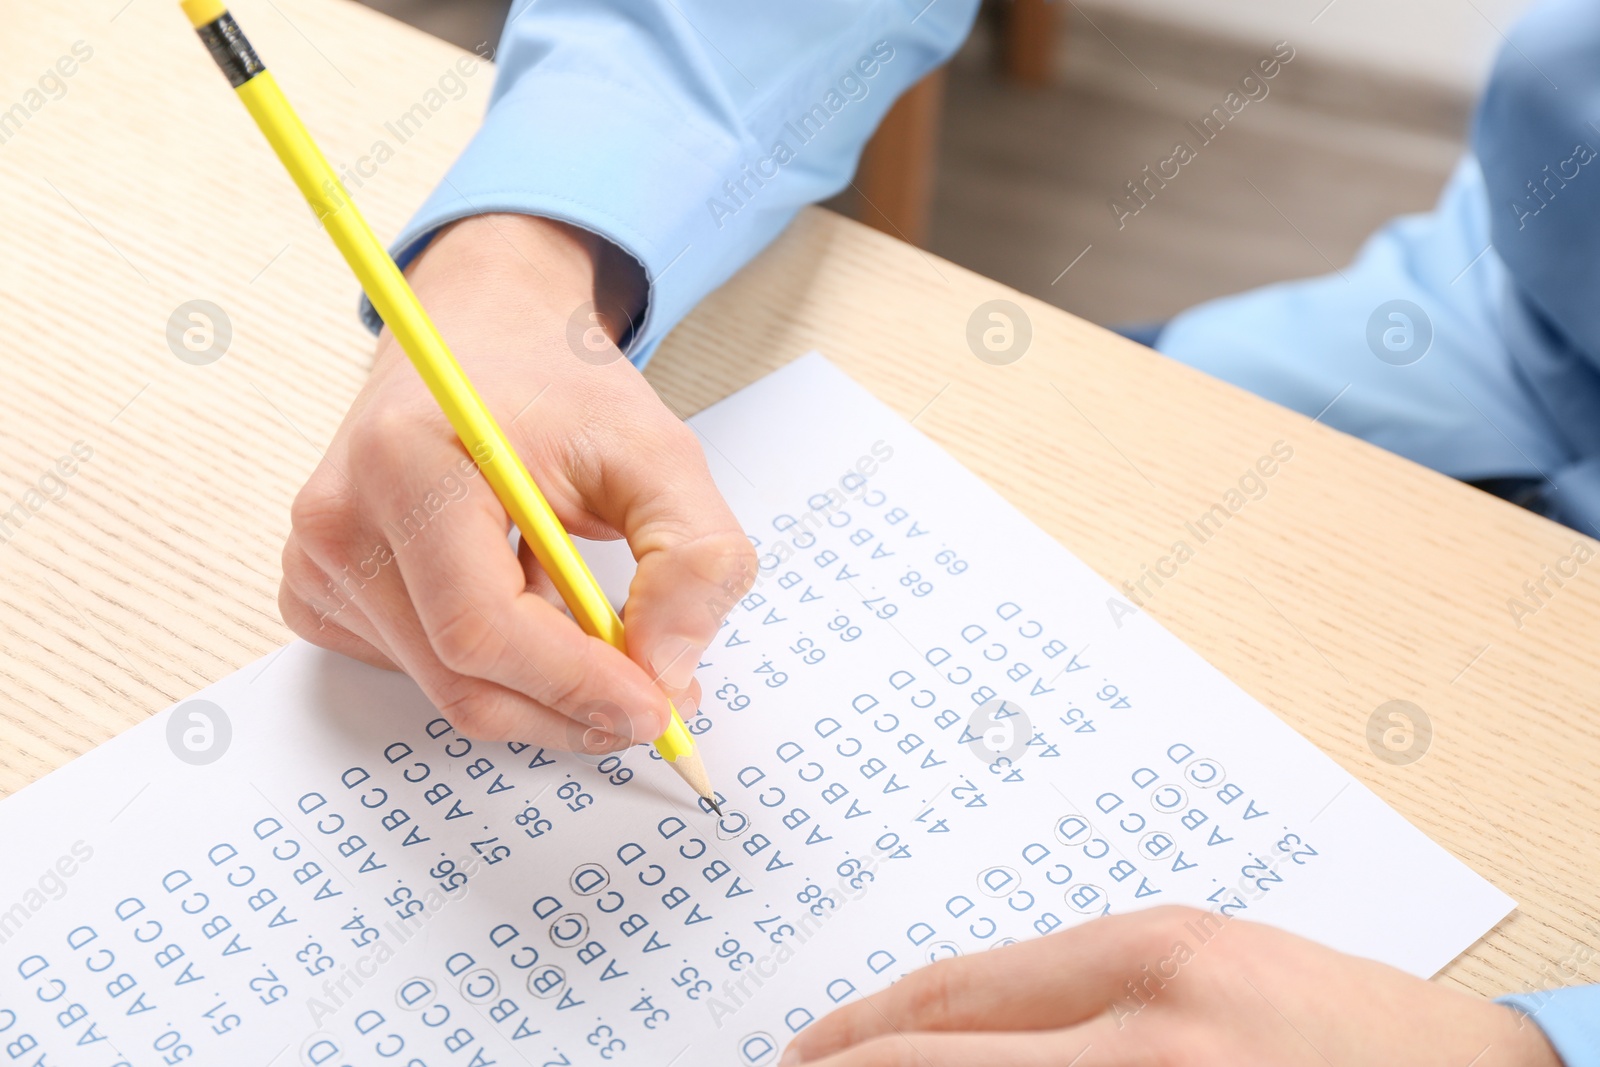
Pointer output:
349, 881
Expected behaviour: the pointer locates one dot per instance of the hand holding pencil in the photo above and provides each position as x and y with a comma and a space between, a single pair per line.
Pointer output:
399, 555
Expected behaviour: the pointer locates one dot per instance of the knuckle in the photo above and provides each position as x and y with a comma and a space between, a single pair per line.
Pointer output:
466, 643
299, 615
469, 709
301, 575
384, 434
307, 597
723, 558
740, 562
311, 623
930, 993
582, 454
322, 513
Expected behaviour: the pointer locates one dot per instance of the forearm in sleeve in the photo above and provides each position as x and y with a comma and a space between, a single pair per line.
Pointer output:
686, 132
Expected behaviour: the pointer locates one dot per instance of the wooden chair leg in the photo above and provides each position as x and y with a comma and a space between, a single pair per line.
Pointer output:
895, 179
1029, 41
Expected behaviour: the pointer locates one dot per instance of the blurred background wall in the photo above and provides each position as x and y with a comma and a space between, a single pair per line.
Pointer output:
1010, 162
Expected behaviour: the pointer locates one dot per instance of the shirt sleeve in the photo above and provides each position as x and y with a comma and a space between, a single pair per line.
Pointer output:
686, 132
1569, 1017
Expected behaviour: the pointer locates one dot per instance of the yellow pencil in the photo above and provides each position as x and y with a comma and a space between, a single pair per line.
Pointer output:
391, 294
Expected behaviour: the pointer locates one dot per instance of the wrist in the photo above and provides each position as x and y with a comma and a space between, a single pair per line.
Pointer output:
539, 266
536, 258
1527, 1044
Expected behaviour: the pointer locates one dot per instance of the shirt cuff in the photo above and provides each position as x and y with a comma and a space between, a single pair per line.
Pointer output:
607, 158
1570, 1019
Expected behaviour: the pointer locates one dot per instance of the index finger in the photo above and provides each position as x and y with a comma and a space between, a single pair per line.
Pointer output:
472, 601
1044, 984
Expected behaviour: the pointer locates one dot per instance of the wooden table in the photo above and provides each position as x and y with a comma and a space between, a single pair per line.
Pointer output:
1358, 579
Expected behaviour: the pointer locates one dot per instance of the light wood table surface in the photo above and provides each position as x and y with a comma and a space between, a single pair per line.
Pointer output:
1357, 579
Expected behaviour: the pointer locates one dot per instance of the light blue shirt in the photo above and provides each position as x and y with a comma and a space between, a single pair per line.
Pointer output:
1504, 274
690, 132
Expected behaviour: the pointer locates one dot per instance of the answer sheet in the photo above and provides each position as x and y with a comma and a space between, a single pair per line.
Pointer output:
932, 735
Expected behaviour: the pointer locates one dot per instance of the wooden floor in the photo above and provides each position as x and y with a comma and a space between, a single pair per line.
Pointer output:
1290, 188
467, 23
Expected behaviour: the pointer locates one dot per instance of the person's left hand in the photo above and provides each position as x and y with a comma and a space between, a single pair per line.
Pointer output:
1163, 987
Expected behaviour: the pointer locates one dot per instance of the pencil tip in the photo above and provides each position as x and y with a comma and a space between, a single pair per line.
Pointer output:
715, 806
690, 768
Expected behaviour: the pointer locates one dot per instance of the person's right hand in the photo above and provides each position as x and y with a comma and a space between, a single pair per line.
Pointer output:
399, 554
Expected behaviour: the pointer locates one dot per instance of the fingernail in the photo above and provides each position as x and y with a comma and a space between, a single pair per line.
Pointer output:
599, 742
646, 725
674, 661
791, 1056
606, 727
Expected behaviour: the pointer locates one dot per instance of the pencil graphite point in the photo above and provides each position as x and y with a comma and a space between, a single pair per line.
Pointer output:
692, 769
